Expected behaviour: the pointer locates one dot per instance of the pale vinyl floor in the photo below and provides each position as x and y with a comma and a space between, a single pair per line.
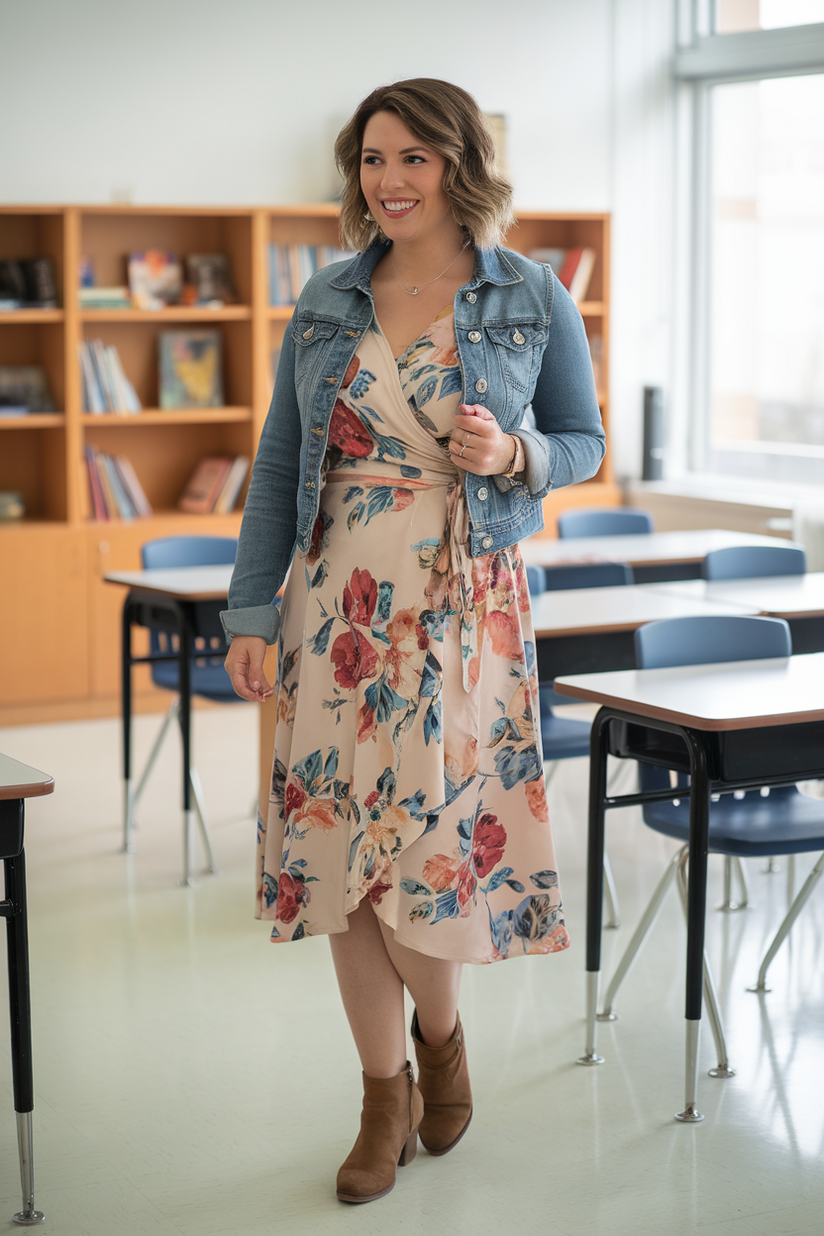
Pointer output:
192, 1078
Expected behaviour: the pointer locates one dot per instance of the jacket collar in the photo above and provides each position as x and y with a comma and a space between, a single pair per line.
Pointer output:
491, 266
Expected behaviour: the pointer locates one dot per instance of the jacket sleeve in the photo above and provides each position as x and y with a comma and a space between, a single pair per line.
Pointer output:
563, 439
269, 527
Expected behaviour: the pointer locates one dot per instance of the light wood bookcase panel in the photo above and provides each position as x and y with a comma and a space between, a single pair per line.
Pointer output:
55, 557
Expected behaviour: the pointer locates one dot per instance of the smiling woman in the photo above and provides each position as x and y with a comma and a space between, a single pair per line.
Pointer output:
408, 816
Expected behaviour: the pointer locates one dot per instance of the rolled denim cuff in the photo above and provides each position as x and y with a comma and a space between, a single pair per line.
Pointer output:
534, 475
260, 620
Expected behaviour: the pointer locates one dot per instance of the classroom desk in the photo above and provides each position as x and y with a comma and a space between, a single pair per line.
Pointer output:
653, 556
737, 725
17, 783
798, 598
578, 630
186, 602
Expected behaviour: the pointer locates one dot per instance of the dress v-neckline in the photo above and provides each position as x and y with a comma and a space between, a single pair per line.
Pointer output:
417, 339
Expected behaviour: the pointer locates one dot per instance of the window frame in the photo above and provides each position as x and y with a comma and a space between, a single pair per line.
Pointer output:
702, 61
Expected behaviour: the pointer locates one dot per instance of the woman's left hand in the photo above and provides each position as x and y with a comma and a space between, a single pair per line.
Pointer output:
478, 444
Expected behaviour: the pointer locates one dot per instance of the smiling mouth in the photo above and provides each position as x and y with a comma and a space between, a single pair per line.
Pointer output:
399, 207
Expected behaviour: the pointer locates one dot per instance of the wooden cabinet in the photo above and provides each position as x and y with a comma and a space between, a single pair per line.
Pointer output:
60, 625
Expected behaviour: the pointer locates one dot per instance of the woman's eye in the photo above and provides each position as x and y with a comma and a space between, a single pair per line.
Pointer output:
415, 159
370, 160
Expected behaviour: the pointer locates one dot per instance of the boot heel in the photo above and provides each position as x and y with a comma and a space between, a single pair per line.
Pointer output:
410, 1149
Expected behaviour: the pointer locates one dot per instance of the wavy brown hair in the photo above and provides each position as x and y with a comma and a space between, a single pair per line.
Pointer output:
447, 119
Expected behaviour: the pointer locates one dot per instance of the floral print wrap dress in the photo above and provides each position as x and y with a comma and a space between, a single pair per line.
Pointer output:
407, 765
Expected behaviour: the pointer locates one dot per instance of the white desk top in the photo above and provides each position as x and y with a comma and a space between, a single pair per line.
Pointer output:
730, 696
582, 611
646, 548
19, 781
778, 596
197, 583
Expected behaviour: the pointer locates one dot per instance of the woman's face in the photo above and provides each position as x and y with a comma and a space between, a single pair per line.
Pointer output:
402, 181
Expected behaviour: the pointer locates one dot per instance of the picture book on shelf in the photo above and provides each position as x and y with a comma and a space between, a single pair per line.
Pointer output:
204, 485
208, 281
191, 369
155, 279
214, 485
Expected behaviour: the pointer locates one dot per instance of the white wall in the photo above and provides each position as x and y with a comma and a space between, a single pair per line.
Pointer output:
238, 101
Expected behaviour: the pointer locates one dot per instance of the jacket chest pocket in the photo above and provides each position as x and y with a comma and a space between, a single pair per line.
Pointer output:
311, 338
519, 349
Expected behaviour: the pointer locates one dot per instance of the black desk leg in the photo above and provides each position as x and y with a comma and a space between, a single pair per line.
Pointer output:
126, 708
696, 913
186, 642
17, 941
595, 876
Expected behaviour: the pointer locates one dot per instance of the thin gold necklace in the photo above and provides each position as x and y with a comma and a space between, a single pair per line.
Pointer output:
414, 291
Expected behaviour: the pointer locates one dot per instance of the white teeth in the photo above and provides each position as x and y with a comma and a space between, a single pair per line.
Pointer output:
397, 205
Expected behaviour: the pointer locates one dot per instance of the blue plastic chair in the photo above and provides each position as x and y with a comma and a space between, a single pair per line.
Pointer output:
604, 521
208, 676
562, 738
748, 561
742, 824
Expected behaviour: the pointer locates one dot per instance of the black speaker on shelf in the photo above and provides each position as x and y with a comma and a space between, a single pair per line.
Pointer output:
654, 432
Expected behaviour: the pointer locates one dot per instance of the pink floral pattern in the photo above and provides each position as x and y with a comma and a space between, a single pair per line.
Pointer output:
407, 765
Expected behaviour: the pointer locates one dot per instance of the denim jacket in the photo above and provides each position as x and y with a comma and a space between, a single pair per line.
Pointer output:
523, 354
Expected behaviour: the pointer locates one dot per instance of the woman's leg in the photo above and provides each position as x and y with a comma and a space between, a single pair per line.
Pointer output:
372, 993
434, 985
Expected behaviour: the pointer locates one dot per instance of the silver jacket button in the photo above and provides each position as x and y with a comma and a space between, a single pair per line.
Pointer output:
474, 336
486, 543
471, 297
518, 337
483, 493
307, 334
481, 386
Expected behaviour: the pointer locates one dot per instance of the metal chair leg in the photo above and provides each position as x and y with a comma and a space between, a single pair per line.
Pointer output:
611, 893
722, 1069
200, 808
134, 796
729, 905
781, 935
640, 934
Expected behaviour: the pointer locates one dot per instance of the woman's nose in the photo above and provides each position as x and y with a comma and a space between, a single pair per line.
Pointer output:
392, 176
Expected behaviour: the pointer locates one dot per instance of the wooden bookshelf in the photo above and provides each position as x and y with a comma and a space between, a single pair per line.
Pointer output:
59, 656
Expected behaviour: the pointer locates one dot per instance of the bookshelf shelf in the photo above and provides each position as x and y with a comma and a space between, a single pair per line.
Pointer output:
36, 317
175, 313
164, 416
57, 554
36, 420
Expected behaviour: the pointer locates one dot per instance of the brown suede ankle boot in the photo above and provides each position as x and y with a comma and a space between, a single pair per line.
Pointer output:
388, 1138
444, 1083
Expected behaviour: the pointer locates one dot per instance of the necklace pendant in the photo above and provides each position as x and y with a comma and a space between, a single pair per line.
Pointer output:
414, 292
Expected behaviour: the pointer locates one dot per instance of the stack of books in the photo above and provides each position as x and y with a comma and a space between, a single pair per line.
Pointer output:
290, 266
213, 487
105, 385
573, 267
24, 389
114, 489
104, 298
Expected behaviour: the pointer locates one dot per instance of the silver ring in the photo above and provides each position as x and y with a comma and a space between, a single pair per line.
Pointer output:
466, 440
461, 451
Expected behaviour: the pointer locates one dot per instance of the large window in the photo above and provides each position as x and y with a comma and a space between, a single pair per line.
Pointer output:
766, 285
730, 16
754, 367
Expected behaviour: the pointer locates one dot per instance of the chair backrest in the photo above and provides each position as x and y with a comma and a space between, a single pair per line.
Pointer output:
535, 579
178, 551
208, 677
748, 561
604, 521
707, 638
589, 575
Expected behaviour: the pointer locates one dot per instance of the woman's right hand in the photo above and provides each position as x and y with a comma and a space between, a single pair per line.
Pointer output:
244, 665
